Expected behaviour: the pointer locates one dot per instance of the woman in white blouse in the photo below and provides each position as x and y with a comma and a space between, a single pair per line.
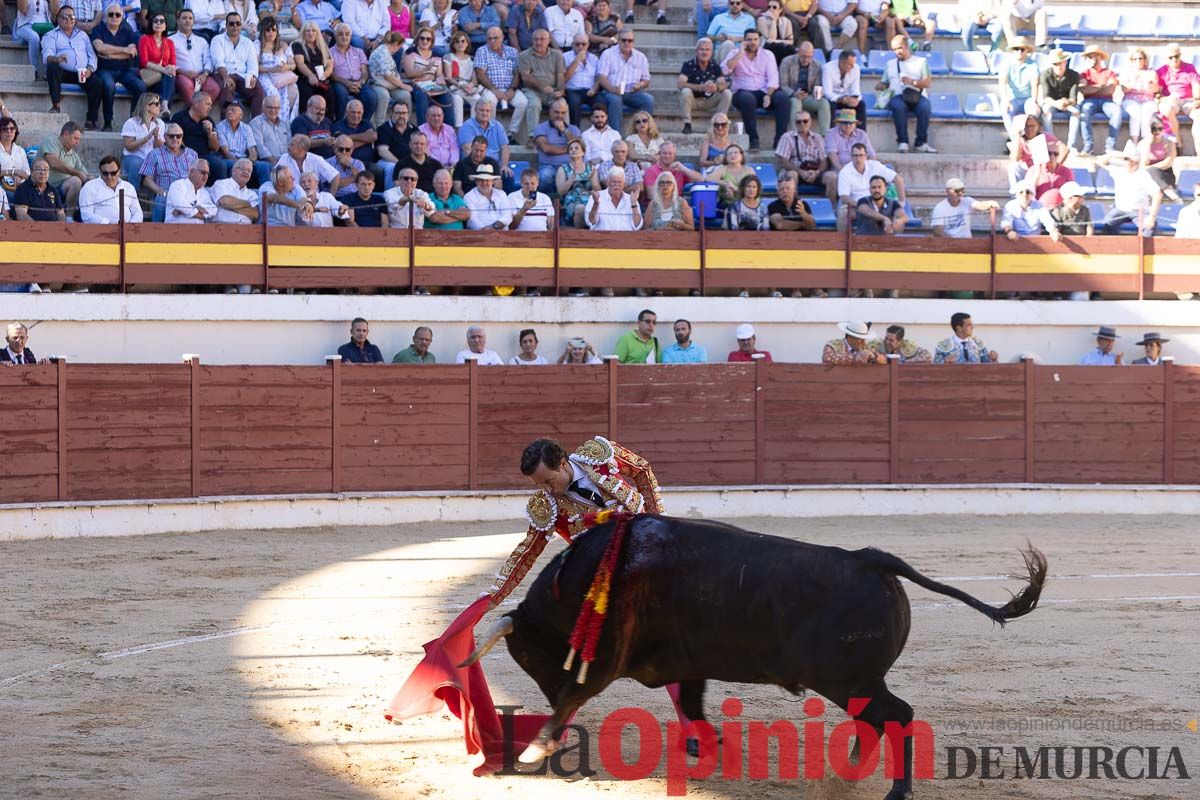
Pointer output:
141, 133
30, 13
528, 356
14, 164
277, 66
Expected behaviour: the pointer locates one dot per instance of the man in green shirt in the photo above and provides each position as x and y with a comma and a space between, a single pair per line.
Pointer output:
451, 212
67, 171
640, 345
418, 351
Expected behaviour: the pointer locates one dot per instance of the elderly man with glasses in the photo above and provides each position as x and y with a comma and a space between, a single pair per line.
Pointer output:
702, 85
802, 151
496, 71
624, 77
564, 22
100, 198
1180, 85
800, 77
165, 165
271, 133
580, 75
188, 202
70, 58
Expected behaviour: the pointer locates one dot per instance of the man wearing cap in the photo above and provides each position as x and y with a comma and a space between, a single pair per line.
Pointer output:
640, 345
1058, 90
906, 351
839, 143
1103, 355
1180, 85
852, 349
489, 206
1097, 85
747, 351
1072, 217
1021, 14
963, 347
1019, 82
1134, 192
1023, 215
952, 216
1153, 343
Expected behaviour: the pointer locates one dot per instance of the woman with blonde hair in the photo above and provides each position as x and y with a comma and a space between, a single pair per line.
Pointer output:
716, 142
314, 65
141, 133
278, 64
575, 181
422, 66
458, 68
1140, 85
644, 139
667, 210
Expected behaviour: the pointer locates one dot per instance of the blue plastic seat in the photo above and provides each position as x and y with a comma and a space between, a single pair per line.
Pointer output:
1141, 25
1103, 182
914, 222
1099, 23
1084, 179
823, 213
1063, 23
1071, 45
969, 62
518, 167
877, 62
1118, 61
1098, 211
946, 23
945, 106
766, 173
982, 106
1186, 180
819, 56
1177, 24
1168, 215
872, 111
74, 88
936, 61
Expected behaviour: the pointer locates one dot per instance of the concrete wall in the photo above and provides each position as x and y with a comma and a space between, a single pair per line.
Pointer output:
251, 329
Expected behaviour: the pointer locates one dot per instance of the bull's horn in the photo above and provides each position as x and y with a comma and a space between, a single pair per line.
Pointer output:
498, 630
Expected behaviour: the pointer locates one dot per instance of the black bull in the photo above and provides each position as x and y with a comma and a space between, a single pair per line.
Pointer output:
696, 600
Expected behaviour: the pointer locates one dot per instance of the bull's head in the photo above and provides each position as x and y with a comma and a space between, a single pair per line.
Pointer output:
497, 631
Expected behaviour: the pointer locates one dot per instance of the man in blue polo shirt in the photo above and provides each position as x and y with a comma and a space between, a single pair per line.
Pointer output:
359, 349
483, 124
551, 138
683, 350
367, 209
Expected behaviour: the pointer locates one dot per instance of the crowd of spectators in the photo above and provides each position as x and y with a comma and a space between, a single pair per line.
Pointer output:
389, 115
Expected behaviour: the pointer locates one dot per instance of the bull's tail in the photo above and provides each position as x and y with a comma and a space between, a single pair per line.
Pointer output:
1021, 603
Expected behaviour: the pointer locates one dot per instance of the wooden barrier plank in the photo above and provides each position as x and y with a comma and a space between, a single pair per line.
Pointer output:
25, 440
431, 414
403, 478
1083, 452
415, 433
42, 463
1134, 427
29, 375
272, 460
1096, 412
963, 431
29, 488
1066, 375
1098, 472
442, 456
964, 453
267, 481
994, 469
828, 472
1115, 394
960, 410
828, 450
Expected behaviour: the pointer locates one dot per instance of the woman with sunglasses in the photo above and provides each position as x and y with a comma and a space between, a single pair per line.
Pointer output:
1140, 84
716, 142
14, 163
778, 35
667, 209
729, 176
458, 70
156, 54
644, 139
314, 65
1157, 154
575, 181
277, 68
439, 18
141, 133
423, 68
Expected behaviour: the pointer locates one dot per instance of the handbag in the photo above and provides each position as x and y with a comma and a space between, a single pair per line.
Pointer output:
911, 97
150, 77
883, 98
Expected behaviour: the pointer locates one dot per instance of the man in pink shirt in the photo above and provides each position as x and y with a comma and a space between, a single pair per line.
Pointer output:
443, 141
1181, 91
754, 79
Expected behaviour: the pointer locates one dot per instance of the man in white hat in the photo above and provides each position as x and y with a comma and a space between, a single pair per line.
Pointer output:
1103, 355
489, 206
952, 216
1023, 215
1072, 217
747, 351
852, 349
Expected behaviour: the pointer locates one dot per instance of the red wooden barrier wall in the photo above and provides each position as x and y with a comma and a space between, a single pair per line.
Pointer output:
127, 431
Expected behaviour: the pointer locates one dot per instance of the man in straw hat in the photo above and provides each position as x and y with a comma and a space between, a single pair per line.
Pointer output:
1019, 82
1180, 90
1097, 85
852, 349
1153, 342
489, 206
1058, 90
1103, 355
1023, 14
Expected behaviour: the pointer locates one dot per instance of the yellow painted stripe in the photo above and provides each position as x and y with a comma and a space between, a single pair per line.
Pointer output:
1172, 265
775, 259
1067, 264
519, 257
192, 253
972, 263
108, 255
602, 258
321, 257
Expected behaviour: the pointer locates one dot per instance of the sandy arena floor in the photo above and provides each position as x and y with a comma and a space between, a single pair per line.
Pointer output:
258, 665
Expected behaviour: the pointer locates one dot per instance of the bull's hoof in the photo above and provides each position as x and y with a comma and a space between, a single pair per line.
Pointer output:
899, 794
533, 754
